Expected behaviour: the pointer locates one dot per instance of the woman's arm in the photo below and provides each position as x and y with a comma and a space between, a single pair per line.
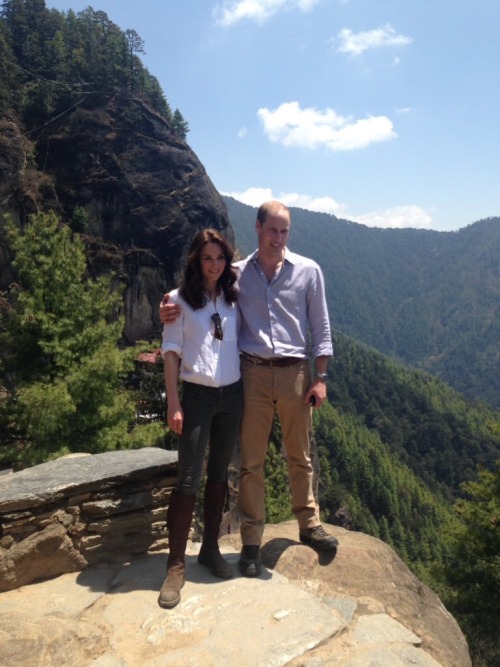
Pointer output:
175, 415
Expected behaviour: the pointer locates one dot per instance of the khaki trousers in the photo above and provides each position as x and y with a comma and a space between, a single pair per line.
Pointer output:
267, 390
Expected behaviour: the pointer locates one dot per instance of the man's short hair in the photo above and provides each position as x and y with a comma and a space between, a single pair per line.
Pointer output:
269, 207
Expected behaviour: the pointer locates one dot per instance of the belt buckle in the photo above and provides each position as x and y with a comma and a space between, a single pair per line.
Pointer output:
251, 358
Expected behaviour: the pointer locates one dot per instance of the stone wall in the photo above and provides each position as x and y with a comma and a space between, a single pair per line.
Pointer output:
79, 510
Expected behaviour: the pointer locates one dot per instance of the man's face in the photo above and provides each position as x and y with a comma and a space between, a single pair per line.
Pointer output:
273, 233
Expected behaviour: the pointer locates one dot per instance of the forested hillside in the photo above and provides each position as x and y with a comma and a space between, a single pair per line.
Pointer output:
427, 425
86, 132
51, 61
396, 446
430, 299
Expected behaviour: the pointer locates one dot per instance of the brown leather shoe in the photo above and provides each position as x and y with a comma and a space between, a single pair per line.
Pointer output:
170, 592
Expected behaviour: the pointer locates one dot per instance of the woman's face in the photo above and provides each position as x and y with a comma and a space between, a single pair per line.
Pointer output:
212, 263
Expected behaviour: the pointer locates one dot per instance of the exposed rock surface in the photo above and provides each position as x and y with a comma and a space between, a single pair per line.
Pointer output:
143, 190
62, 515
362, 608
86, 518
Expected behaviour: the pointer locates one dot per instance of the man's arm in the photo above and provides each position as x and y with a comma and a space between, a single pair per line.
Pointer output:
169, 312
322, 348
317, 391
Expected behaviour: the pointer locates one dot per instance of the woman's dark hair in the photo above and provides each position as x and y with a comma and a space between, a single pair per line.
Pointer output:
192, 288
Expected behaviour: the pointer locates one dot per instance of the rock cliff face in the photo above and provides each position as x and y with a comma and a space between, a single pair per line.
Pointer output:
112, 168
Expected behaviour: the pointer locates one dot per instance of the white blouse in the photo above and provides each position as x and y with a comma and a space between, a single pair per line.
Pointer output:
204, 359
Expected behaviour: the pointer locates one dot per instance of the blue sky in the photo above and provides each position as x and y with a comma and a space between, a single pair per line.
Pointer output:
384, 112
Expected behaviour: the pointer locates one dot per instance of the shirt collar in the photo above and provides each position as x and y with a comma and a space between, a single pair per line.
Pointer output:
290, 257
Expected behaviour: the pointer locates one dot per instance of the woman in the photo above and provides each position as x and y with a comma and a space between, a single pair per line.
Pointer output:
200, 347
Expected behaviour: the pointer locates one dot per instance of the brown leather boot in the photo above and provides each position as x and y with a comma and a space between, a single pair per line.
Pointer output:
179, 518
215, 498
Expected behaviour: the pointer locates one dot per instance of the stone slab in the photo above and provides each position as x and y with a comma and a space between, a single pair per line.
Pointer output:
67, 476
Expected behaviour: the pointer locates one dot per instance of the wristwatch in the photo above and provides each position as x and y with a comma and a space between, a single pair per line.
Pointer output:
321, 376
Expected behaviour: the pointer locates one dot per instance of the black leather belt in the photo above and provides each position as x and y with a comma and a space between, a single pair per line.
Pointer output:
276, 362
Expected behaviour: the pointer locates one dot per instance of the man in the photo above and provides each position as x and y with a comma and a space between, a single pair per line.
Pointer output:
282, 301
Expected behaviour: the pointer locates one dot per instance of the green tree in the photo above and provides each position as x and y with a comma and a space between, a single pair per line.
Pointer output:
180, 126
277, 490
14, 19
473, 569
135, 42
60, 365
50, 61
7, 74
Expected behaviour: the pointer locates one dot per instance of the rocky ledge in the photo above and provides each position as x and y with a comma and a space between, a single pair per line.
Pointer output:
360, 607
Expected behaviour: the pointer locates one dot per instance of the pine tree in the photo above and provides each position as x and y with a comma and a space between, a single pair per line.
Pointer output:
277, 491
473, 569
60, 365
180, 126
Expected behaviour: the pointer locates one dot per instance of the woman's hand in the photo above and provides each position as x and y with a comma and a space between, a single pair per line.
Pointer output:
175, 418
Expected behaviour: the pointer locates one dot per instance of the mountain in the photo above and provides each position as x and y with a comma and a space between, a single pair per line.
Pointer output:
429, 299
86, 131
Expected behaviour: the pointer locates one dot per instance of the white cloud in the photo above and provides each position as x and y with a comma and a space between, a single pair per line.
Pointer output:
229, 12
397, 217
256, 196
242, 132
310, 128
355, 43
251, 196
317, 204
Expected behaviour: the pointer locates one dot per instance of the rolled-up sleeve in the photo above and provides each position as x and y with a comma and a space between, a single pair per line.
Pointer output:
172, 335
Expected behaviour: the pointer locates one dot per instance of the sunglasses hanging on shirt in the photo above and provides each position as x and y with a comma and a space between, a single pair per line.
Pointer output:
218, 333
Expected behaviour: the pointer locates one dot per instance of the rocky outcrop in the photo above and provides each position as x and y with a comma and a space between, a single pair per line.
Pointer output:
63, 515
112, 167
367, 571
362, 608
358, 607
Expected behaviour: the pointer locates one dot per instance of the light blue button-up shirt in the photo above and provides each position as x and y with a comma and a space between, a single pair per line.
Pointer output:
277, 316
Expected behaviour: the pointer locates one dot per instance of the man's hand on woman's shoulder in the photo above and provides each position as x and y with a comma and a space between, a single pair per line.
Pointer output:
169, 312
